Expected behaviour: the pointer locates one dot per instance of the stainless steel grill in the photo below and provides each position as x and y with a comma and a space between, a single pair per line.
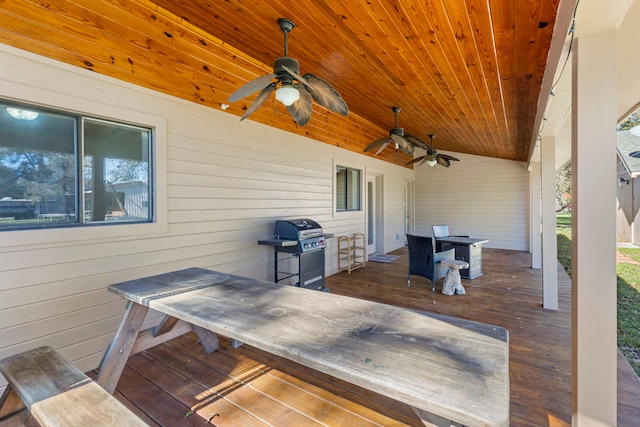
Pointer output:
302, 239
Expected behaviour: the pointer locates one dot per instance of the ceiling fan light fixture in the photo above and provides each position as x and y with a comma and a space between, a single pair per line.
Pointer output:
431, 162
19, 114
287, 95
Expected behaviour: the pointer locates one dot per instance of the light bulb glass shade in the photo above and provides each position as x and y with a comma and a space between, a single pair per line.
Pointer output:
287, 95
431, 162
19, 114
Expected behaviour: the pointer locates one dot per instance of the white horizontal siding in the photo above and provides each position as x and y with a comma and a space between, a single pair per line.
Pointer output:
225, 184
479, 196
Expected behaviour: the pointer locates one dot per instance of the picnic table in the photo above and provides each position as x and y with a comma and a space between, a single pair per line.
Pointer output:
450, 371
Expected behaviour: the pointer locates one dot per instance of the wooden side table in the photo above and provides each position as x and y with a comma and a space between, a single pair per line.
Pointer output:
351, 252
452, 282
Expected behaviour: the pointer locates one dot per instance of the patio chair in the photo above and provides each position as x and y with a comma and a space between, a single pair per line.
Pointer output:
425, 261
440, 231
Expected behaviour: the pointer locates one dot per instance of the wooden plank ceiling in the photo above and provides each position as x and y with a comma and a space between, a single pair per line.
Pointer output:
468, 71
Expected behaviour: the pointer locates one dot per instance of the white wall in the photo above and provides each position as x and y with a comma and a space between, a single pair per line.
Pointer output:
478, 196
222, 183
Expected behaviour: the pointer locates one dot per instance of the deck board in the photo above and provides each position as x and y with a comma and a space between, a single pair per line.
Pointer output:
255, 388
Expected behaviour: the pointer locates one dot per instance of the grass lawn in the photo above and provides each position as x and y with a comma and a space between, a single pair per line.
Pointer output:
629, 308
628, 292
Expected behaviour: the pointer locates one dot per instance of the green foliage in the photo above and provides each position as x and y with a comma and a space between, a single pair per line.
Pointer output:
564, 223
563, 189
629, 309
564, 252
564, 241
629, 122
628, 292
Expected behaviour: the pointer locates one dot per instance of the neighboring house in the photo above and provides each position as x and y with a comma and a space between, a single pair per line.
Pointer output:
132, 199
628, 193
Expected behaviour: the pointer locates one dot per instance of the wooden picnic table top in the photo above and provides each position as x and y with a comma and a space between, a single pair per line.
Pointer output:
456, 369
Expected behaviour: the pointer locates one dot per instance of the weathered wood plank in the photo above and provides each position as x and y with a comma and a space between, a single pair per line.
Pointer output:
58, 394
88, 404
455, 67
147, 339
115, 358
40, 374
351, 339
508, 294
10, 402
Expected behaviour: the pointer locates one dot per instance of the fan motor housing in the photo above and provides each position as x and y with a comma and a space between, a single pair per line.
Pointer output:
287, 61
396, 131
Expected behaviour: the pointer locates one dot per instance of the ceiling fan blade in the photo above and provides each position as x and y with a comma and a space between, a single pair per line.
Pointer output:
377, 143
381, 149
417, 142
296, 76
442, 161
324, 94
448, 157
301, 109
416, 160
403, 144
251, 87
257, 103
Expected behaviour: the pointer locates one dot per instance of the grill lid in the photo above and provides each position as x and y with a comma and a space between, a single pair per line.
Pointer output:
297, 229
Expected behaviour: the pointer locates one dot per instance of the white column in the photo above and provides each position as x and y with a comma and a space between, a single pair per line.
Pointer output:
593, 145
549, 224
535, 188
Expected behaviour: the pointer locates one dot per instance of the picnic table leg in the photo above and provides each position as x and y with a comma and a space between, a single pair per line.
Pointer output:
115, 358
10, 402
208, 339
430, 419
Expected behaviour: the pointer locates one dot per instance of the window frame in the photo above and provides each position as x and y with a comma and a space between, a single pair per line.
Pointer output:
158, 165
348, 167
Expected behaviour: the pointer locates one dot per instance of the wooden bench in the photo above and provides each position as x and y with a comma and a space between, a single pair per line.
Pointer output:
57, 393
450, 371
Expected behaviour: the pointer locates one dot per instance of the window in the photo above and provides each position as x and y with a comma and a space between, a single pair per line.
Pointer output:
347, 189
59, 170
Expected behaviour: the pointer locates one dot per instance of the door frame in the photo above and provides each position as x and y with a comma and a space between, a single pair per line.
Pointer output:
376, 208
409, 207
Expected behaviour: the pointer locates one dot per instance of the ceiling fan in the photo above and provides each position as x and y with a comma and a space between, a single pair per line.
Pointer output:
295, 91
432, 157
406, 143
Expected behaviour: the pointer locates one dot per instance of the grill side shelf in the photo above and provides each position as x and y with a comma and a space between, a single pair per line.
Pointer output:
278, 242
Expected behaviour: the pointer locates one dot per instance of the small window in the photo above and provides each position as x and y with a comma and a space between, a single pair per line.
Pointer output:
347, 189
58, 169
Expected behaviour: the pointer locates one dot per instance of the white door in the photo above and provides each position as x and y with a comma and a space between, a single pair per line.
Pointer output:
408, 208
372, 215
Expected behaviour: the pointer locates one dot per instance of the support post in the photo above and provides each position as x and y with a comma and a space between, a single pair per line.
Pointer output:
549, 224
594, 293
535, 190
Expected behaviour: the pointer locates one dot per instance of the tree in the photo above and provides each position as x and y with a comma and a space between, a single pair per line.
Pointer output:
631, 121
563, 189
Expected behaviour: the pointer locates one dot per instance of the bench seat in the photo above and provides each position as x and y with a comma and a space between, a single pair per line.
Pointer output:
57, 393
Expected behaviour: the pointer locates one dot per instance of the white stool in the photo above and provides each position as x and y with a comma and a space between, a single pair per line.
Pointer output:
452, 282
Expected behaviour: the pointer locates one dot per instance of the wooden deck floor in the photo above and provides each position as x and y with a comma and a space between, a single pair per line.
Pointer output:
176, 384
